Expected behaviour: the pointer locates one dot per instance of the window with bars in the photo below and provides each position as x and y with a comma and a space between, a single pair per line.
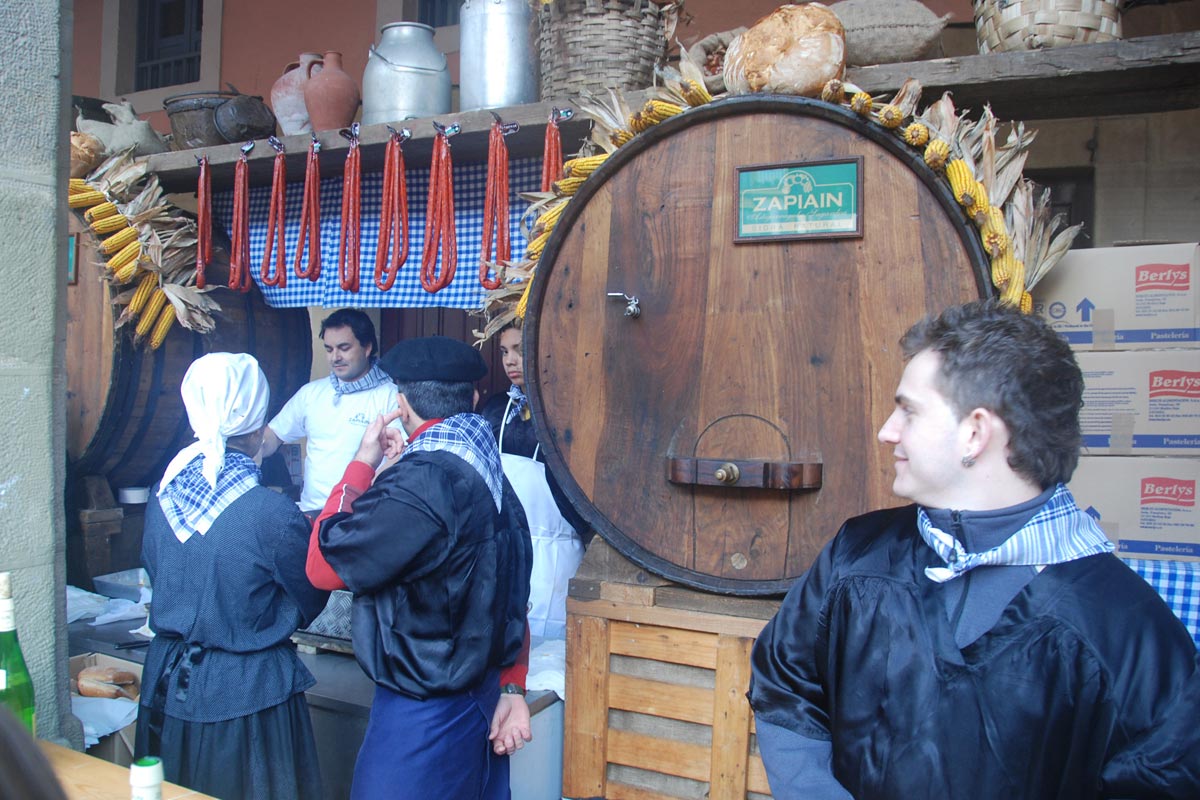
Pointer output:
168, 44
438, 13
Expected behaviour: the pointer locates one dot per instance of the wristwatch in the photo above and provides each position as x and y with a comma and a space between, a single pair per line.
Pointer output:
512, 688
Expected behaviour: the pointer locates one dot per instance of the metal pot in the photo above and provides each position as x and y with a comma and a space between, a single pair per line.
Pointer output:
244, 117
406, 76
499, 62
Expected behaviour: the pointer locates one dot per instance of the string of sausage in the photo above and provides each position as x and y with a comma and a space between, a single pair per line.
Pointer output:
552, 157
439, 216
203, 222
310, 217
239, 256
393, 217
348, 241
495, 204
276, 239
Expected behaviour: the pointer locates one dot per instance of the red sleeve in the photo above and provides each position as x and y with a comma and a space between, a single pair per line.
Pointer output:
519, 671
355, 480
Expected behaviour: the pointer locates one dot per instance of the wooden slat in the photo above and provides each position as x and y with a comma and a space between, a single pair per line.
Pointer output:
756, 776
731, 719
658, 643
584, 739
625, 791
659, 755
667, 617
659, 699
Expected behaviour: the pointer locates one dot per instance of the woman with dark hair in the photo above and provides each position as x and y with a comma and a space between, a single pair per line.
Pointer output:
222, 689
554, 525
25, 774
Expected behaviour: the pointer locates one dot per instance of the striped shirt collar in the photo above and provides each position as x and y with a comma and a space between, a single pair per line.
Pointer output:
191, 504
1057, 533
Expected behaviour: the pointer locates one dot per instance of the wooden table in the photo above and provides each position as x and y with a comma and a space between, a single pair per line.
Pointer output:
85, 777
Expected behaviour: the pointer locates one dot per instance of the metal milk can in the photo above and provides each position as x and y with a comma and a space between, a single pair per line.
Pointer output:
498, 56
406, 76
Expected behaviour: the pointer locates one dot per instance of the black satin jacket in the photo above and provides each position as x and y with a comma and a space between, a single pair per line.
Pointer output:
1087, 686
440, 579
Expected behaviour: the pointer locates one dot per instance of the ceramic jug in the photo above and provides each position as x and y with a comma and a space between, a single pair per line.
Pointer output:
287, 95
330, 95
406, 76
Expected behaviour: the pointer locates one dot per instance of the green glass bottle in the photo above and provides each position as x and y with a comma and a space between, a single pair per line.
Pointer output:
16, 689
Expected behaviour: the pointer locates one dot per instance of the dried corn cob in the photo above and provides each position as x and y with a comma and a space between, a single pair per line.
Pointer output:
861, 103
916, 135
1003, 266
119, 241
78, 185
145, 289
994, 231
1011, 294
936, 153
166, 318
568, 186
157, 299
656, 111
108, 225
106, 209
535, 247
86, 199
978, 209
638, 122
696, 93
125, 256
833, 92
962, 182
890, 116
582, 167
620, 136
1026, 303
548, 220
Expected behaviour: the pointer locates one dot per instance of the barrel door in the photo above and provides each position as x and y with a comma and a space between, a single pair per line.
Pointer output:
720, 429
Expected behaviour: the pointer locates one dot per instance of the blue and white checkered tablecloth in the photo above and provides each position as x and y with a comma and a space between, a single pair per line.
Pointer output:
470, 181
1178, 582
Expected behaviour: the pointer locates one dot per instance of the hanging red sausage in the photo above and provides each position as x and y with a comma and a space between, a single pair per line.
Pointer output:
239, 256
310, 216
393, 216
276, 238
552, 157
495, 203
439, 215
349, 244
203, 221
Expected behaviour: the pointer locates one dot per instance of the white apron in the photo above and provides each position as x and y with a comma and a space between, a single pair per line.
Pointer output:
557, 549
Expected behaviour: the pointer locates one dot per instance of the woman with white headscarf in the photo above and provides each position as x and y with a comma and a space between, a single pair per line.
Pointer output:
222, 689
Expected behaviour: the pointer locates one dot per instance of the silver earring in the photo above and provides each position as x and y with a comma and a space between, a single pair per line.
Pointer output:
968, 461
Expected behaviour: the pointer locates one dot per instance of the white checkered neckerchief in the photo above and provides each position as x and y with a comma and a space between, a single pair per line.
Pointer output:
191, 504
1057, 533
470, 437
373, 377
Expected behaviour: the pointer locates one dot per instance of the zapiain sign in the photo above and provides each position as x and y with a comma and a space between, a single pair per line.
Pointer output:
810, 200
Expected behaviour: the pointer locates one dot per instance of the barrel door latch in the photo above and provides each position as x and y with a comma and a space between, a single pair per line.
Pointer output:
633, 309
746, 473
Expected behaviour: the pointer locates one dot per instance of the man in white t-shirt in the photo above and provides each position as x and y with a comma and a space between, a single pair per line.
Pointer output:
333, 412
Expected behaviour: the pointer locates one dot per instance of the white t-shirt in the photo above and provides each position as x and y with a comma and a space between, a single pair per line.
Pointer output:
333, 429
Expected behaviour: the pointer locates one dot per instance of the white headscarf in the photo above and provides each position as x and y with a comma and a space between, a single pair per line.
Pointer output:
225, 394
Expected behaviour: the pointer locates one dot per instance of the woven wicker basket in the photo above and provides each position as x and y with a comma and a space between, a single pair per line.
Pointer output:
598, 44
1009, 25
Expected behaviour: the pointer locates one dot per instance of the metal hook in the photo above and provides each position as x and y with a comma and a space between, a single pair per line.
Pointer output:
246, 148
201, 159
350, 134
402, 135
447, 130
316, 143
561, 114
275, 143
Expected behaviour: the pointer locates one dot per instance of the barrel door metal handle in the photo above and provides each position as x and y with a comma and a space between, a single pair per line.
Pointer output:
746, 473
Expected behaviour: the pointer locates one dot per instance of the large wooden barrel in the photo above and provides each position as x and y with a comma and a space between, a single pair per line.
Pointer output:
720, 437
125, 416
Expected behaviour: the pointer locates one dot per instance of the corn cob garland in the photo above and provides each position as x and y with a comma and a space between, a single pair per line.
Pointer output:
162, 326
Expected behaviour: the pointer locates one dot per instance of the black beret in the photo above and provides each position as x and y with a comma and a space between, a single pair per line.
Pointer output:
434, 358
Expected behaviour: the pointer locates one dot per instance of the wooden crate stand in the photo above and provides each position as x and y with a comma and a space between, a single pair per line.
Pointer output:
657, 703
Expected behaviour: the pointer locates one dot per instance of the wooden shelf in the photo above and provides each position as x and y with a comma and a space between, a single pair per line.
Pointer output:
1134, 76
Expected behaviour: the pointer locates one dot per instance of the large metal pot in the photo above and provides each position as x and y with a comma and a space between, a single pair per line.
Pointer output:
406, 76
498, 54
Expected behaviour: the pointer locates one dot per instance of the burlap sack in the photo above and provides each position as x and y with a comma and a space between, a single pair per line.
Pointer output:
887, 31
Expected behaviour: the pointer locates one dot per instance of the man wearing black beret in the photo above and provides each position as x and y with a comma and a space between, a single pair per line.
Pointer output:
437, 553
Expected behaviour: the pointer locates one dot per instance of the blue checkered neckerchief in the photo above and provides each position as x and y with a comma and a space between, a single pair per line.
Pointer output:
373, 377
470, 437
1057, 533
517, 403
191, 504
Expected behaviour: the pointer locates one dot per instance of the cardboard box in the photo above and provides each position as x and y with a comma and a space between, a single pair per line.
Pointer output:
1146, 505
116, 747
1141, 402
1124, 298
